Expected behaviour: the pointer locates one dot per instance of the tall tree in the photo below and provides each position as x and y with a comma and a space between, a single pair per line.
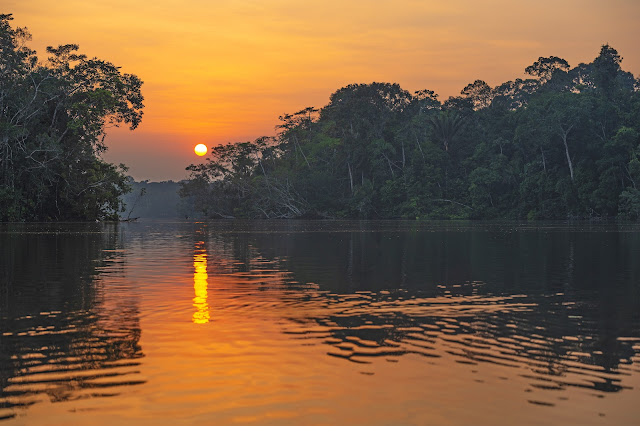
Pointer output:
53, 120
545, 68
479, 93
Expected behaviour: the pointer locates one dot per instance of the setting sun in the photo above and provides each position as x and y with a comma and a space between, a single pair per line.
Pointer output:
200, 149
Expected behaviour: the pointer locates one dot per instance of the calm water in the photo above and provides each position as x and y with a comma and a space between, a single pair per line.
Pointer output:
319, 322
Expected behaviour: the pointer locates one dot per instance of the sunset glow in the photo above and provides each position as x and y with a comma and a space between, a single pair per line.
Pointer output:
224, 71
200, 284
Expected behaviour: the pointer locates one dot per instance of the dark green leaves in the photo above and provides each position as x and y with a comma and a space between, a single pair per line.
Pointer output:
562, 144
53, 118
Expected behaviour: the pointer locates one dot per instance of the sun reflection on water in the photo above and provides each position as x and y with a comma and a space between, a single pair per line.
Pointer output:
201, 315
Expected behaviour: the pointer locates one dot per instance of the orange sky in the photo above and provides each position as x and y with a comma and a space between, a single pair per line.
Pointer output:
217, 71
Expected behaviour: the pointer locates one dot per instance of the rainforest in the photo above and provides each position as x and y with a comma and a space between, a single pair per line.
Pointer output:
562, 143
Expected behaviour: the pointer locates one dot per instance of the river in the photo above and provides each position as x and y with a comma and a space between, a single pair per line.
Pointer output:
320, 322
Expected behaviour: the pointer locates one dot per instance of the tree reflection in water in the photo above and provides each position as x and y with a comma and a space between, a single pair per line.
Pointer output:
63, 336
303, 305
560, 309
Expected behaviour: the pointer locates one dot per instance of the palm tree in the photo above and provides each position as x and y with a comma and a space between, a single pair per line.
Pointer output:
446, 126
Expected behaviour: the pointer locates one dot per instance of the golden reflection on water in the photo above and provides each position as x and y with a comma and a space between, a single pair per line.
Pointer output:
201, 315
350, 349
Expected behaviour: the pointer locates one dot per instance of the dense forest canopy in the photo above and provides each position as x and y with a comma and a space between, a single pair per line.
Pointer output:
562, 143
53, 118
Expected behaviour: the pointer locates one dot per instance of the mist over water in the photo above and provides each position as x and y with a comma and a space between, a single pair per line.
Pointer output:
290, 322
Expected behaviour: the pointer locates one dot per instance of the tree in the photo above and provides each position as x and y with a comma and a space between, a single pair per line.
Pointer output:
479, 93
364, 116
545, 68
560, 114
606, 70
515, 94
53, 121
446, 127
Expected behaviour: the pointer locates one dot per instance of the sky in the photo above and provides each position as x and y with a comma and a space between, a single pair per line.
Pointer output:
218, 71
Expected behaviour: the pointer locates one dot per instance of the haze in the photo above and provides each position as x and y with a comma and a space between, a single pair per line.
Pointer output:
223, 71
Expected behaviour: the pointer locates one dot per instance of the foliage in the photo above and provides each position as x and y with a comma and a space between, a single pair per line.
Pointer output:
53, 118
562, 144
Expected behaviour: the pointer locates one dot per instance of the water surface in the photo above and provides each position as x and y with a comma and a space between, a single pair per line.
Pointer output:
320, 322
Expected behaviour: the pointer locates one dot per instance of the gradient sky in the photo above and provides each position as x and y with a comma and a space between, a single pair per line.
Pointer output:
219, 71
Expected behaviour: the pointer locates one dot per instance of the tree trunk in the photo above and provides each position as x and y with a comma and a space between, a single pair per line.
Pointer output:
566, 151
390, 166
295, 141
420, 148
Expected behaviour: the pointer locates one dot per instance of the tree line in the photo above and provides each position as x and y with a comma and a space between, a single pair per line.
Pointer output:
561, 143
53, 117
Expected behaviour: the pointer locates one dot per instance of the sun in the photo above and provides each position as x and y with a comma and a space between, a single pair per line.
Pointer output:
200, 149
